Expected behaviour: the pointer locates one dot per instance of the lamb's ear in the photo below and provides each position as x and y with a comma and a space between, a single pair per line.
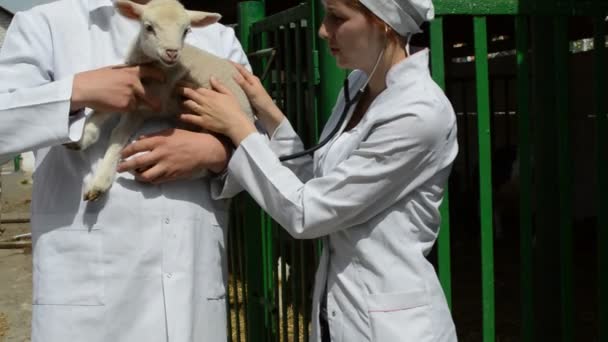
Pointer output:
129, 9
201, 19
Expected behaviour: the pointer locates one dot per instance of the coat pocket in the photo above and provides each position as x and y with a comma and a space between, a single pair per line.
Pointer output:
68, 268
400, 317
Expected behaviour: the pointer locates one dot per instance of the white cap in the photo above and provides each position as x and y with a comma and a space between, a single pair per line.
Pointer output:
404, 16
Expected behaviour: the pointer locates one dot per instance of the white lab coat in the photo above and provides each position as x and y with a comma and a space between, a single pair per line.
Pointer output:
374, 194
148, 262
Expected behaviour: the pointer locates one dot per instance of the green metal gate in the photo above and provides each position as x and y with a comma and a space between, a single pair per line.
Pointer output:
305, 82
278, 270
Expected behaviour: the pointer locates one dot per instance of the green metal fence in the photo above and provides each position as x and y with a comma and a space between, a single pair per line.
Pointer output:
278, 270
268, 305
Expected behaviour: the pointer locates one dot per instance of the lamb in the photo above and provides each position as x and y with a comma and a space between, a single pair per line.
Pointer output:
164, 25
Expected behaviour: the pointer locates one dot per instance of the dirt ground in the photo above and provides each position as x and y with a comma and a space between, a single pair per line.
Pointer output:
15, 264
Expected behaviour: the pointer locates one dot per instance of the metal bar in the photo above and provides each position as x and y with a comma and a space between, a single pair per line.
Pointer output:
311, 76
492, 88
278, 75
299, 278
273, 233
240, 272
271, 53
561, 53
282, 18
258, 43
438, 68
280, 99
288, 58
243, 275
268, 52
601, 111
303, 289
267, 259
231, 295
467, 7
248, 13
290, 110
277, 321
253, 236
547, 296
525, 178
507, 94
294, 291
283, 287
485, 178
466, 135
299, 77
517, 7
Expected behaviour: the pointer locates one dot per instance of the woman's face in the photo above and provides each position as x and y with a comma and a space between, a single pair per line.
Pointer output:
353, 40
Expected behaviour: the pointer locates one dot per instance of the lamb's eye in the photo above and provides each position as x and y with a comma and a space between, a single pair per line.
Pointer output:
149, 28
186, 31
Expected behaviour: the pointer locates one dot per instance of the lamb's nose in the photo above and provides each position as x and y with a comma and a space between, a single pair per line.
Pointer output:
171, 53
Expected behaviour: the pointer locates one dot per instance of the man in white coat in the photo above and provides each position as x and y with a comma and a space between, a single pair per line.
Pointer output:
147, 263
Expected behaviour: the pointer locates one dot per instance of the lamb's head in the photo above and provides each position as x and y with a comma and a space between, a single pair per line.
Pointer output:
164, 26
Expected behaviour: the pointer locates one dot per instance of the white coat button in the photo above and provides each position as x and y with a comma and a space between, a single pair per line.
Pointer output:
333, 314
167, 221
168, 275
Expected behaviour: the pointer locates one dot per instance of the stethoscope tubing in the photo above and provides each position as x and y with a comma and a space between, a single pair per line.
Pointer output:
347, 107
345, 111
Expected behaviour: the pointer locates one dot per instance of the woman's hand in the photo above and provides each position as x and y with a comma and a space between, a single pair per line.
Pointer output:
174, 154
266, 110
217, 110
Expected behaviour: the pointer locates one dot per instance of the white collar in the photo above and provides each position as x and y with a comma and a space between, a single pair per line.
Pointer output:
417, 62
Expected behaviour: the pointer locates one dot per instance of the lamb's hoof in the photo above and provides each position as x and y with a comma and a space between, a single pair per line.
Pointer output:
92, 195
74, 146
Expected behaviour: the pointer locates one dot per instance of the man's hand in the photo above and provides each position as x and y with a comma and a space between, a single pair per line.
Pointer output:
114, 89
174, 154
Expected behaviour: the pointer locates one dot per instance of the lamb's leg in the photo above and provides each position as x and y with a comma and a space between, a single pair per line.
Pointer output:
92, 128
106, 170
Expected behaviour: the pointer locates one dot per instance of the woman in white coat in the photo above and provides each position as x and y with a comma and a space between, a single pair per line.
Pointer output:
373, 192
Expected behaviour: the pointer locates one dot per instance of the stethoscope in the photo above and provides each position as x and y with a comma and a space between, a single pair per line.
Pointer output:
348, 105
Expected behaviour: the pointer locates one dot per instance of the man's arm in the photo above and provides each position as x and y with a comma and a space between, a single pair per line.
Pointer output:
37, 110
34, 107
